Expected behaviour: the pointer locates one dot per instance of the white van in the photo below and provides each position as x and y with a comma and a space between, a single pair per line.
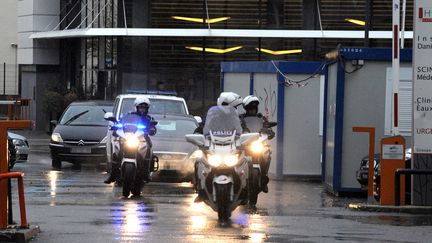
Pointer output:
160, 103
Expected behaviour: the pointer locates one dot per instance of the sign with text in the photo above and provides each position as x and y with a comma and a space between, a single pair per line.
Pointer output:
393, 151
422, 77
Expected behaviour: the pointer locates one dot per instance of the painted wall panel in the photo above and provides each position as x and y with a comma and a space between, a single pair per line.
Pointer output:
237, 82
265, 88
302, 143
330, 131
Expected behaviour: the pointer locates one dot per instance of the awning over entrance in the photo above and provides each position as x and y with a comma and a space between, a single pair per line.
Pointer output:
94, 32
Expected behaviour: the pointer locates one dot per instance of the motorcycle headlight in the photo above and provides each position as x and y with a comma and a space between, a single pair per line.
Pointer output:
132, 142
197, 154
231, 160
214, 160
56, 138
257, 147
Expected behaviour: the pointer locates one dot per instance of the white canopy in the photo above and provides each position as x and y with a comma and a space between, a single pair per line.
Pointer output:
93, 32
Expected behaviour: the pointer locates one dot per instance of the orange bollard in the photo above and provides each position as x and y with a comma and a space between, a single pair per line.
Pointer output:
4, 126
19, 176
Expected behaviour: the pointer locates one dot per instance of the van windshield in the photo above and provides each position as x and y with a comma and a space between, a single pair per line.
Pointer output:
157, 106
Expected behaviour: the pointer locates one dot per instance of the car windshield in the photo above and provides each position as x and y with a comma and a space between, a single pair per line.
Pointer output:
175, 128
85, 115
157, 106
222, 121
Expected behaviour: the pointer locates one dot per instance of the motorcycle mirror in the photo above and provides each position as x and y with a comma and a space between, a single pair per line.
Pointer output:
198, 119
248, 137
109, 116
196, 139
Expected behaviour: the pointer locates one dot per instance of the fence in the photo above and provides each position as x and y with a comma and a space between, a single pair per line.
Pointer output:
14, 108
8, 79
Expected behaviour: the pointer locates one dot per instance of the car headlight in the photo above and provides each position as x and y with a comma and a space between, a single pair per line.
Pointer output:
56, 138
231, 160
214, 160
132, 142
104, 140
197, 154
257, 147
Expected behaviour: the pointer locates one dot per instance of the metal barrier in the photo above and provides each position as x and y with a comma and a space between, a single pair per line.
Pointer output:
399, 172
17, 109
19, 176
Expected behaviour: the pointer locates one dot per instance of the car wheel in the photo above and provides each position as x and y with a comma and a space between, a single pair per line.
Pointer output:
55, 163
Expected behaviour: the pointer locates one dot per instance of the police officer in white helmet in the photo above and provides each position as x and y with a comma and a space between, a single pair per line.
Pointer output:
250, 104
142, 106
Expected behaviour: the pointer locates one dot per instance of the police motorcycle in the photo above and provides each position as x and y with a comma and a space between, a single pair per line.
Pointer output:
223, 169
260, 151
134, 152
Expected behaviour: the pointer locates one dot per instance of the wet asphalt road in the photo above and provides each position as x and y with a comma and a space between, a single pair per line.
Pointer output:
76, 206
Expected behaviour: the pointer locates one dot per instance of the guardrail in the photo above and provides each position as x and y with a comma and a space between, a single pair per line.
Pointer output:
15, 109
399, 172
19, 176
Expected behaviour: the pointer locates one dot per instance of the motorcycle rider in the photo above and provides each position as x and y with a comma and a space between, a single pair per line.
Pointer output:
250, 104
142, 105
226, 99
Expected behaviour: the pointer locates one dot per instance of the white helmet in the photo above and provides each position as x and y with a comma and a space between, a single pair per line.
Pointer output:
141, 100
229, 98
249, 99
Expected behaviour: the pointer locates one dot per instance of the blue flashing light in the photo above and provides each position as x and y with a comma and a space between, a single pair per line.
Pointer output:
141, 126
118, 125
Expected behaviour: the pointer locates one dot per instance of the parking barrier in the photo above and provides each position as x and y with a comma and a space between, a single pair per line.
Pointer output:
19, 176
399, 172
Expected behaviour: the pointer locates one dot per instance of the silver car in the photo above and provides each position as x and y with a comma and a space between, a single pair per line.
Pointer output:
21, 145
176, 162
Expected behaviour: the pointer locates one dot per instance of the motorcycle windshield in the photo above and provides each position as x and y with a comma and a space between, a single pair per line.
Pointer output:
222, 121
253, 123
131, 123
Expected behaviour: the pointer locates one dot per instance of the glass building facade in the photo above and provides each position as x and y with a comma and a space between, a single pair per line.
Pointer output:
102, 67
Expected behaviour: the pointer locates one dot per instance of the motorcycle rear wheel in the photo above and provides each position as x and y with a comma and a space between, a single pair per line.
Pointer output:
223, 202
128, 178
254, 187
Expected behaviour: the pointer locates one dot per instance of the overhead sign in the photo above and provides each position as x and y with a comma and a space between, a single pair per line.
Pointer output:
422, 77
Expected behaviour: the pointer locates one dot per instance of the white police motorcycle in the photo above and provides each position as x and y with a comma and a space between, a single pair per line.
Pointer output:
260, 151
135, 153
223, 169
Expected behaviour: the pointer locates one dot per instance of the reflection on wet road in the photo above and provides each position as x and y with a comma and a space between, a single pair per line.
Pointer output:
76, 206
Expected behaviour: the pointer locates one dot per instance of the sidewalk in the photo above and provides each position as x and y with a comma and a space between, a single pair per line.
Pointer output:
424, 210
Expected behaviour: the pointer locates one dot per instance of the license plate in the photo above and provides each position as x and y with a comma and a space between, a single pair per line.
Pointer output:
166, 166
81, 150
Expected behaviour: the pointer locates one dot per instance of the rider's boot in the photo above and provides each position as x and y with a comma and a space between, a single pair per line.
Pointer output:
114, 175
264, 181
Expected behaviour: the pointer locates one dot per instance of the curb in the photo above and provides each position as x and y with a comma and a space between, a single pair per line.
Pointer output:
424, 210
19, 235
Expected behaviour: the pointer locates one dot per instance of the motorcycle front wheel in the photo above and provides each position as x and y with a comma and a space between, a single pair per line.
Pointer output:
223, 201
128, 178
254, 187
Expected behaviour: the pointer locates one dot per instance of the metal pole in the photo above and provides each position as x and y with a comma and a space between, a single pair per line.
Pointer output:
395, 67
4, 78
368, 22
